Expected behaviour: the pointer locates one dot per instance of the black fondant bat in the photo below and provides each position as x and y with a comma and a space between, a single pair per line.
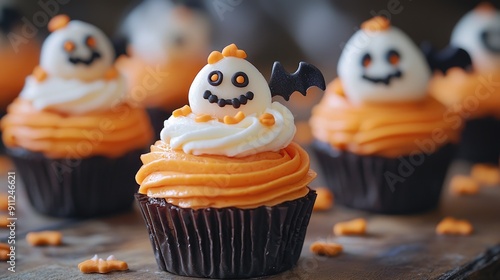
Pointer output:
284, 84
447, 58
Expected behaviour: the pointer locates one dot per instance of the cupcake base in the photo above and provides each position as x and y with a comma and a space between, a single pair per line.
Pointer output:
226, 242
78, 188
403, 185
480, 141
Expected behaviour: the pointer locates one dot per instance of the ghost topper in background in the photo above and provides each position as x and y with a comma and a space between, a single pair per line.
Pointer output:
474, 44
380, 63
466, 80
75, 50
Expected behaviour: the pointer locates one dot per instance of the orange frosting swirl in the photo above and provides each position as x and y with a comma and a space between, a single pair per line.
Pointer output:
111, 133
189, 181
382, 129
472, 95
162, 85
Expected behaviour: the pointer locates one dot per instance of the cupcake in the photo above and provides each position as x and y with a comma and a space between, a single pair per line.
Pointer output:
18, 56
167, 47
381, 140
224, 193
475, 95
74, 142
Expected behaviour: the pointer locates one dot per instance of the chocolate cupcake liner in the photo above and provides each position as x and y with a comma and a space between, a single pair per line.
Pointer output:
90, 187
403, 185
480, 141
226, 242
157, 117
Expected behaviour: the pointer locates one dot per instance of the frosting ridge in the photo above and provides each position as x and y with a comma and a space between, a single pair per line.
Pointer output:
110, 133
383, 129
186, 180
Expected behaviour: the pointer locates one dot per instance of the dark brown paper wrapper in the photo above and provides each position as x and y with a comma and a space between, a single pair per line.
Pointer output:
227, 242
480, 141
96, 186
401, 185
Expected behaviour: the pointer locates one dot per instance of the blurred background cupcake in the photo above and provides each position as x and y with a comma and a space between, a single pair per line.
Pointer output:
18, 54
475, 93
166, 45
382, 142
74, 140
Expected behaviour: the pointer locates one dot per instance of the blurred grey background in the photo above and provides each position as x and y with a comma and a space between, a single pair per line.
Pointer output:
284, 30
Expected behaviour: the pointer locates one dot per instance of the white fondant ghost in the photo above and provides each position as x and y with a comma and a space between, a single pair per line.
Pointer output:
383, 66
229, 79
478, 32
77, 51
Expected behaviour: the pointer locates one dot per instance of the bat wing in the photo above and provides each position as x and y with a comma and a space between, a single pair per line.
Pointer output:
284, 84
447, 58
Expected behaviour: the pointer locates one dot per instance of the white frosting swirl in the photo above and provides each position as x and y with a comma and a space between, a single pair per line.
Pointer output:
74, 96
236, 140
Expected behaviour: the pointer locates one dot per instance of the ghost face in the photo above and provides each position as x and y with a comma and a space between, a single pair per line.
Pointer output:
230, 85
383, 66
77, 51
478, 32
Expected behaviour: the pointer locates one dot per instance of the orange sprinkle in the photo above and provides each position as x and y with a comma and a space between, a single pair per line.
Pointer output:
58, 22
230, 50
267, 119
97, 265
329, 249
486, 174
352, 227
39, 74
184, 111
463, 185
240, 79
214, 57
234, 120
43, 238
203, 118
378, 23
452, 226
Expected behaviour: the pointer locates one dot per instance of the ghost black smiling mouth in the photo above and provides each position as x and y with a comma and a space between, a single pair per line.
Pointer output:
75, 60
386, 80
235, 102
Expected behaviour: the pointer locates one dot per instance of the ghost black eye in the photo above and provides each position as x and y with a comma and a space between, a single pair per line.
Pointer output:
366, 60
393, 57
215, 78
240, 79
